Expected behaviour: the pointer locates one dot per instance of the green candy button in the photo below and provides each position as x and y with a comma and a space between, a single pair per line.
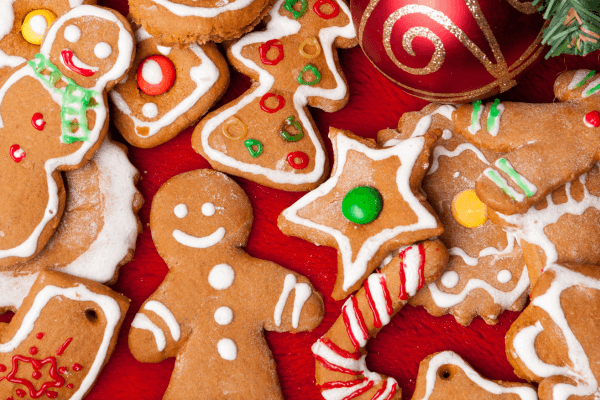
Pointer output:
362, 205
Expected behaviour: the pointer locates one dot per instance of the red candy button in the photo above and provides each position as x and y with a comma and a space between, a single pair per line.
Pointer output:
291, 158
17, 153
37, 121
592, 119
156, 75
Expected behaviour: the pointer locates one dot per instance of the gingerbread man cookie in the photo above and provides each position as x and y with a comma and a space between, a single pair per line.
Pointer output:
53, 117
167, 90
486, 273
546, 145
216, 300
60, 339
555, 340
446, 376
267, 135
98, 230
23, 24
371, 205
341, 370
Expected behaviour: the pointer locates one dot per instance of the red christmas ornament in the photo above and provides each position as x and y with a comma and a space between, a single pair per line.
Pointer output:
449, 50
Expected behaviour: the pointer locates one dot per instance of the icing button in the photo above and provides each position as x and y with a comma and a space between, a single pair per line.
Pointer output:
592, 119
362, 205
156, 75
36, 24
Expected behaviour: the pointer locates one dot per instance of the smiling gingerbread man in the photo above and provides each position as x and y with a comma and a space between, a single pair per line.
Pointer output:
53, 117
214, 304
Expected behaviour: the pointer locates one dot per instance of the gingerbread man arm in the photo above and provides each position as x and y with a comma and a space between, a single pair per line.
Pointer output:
341, 371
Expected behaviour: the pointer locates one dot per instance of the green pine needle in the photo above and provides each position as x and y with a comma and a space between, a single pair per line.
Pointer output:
578, 39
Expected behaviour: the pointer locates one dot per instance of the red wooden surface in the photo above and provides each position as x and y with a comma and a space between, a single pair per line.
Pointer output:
375, 103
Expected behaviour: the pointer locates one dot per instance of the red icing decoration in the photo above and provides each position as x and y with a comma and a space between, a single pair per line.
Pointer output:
67, 58
280, 104
58, 381
335, 367
593, 118
61, 349
63, 370
14, 149
168, 76
403, 295
36, 375
40, 335
34, 121
332, 3
2, 368
371, 301
10, 398
421, 266
76, 367
298, 154
382, 390
341, 384
341, 352
33, 350
51, 395
264, 49
70, 386
359, 319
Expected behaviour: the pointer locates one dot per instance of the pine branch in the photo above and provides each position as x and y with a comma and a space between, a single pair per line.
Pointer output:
574, 26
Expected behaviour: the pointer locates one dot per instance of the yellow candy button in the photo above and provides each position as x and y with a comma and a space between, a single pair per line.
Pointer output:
36, 24
468, 210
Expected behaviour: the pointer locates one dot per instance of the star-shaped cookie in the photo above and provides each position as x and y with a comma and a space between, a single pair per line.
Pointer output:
371, 205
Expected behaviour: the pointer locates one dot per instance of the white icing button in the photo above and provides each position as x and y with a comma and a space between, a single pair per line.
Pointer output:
208, 209
180, 210
150, 110
152, 73
102, 50
221, 276
227, 349
447, 134
38, 24
223, 315
504, 276
72, 33
450, 279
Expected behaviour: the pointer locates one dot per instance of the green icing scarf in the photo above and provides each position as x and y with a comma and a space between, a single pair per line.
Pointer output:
75, 99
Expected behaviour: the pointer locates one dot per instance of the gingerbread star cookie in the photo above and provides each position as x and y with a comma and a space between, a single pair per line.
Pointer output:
370, 206
486, 273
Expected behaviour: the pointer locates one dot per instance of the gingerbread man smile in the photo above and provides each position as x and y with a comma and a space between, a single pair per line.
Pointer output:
71, 61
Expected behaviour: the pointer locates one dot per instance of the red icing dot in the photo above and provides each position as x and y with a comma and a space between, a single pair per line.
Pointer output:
37, 121
40, 335
264, 49
51, 394
593, 118
291, 158
2, 368
156, 75
10, 398
36, 374
333, 4
20, 392
76, 367
70, 386
63, 370
280, 103
17, 153
33, 350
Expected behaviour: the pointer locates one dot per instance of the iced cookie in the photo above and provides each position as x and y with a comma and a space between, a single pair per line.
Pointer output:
267, 135
167, 90
446, 376
214, 304
371, 205
60, 339
486, 273
554, 341
53, 117
98, 230
546, 145
23, 24
341, 370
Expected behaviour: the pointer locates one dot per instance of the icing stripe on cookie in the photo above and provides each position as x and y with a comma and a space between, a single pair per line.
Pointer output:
302, 293
379, 299
493, 120
425, 123
527, 187
475, 116
162, 311
387, 391
580, 78
355, 323
141, 321
347, 393
412, 270
336, 359
502, 184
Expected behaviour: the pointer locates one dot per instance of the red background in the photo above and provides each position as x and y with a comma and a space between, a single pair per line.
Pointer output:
375, 103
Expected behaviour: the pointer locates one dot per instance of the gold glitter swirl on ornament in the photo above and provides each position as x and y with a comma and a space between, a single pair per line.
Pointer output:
525, 8
437, 59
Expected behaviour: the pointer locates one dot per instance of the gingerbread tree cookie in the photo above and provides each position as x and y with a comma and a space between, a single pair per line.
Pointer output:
341, 370
546, 145
486, 273
370, 206
53, 117
267, 135
216, 300
554, 341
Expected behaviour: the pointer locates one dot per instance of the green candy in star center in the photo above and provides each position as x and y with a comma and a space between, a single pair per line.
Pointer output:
362, 205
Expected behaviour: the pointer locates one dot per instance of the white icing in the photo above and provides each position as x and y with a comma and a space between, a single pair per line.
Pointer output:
141, 321
302, 293
199, 242
377, 286
578, 78
392, 142
592, 85
208, 209
450, 279
125, 46
451, 358
150, 110
488, 251
38, 24
204, 76
412, 263
14, 288
353, 315
343, 392
164, 50
221, 276
162, 311
278, 27
102, 50
386, 260
72, 33
7, 20
321, 350
494, 131
524, 349
447, 134
112, 314
182, 10
152, 72
180, 210
288, 284
407, 151
223, 316
504, 276
227, 349
475, 127
511, 192
524, 180
425, 123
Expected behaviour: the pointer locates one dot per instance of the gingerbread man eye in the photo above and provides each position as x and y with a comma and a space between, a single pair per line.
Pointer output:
72, 33
102, 50
181, 210
208, 209
36, 24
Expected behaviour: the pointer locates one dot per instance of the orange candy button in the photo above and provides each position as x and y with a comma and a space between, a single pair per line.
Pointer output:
468, 210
